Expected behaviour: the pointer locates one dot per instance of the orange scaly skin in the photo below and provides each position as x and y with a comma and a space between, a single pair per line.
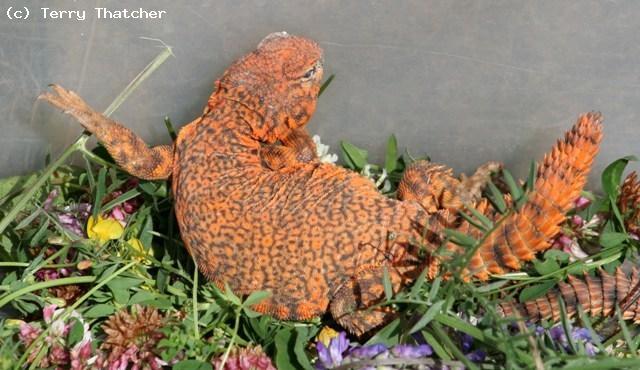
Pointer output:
597, 295
629, 202
258, 211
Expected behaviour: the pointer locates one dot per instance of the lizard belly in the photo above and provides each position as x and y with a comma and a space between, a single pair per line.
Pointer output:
297, 234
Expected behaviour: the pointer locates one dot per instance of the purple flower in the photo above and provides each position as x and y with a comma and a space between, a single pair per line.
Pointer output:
477, 356
557, 334
564, 241
411, 351
58, 355
369, 351
333, 355
466, 341
117, 213
581, 334
80, 355
590, 349
577, 221
28, 333
47, 313
71, 223
582, 202
46, 205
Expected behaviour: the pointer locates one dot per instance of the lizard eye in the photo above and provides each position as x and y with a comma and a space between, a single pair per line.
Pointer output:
310, 73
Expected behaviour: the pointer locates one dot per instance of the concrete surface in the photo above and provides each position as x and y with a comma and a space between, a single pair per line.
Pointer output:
463, 81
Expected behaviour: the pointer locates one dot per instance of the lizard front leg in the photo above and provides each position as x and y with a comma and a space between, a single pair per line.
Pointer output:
126, 148
297, 147
351, 305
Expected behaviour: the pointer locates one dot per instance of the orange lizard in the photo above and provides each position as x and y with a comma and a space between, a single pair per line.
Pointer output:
258, 211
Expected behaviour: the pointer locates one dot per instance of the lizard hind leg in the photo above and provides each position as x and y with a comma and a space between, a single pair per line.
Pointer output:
126, 148
434, 186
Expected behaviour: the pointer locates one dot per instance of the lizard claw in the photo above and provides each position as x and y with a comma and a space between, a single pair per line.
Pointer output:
69, 102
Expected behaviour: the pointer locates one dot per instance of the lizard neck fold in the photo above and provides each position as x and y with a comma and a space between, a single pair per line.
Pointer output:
268, 119
233, 122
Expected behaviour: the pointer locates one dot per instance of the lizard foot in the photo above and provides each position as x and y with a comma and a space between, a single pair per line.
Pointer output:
70, 103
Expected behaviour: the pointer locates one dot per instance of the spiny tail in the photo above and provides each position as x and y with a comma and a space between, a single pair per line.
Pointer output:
560, 179
598, 296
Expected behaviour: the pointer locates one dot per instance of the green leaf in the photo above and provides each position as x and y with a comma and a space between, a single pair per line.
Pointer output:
546, 267
473, 222
12, 186
386, 282
76, 333
354, 157
486, 222
427, 317
162, 279
491, 286
631, 344
436, 345
391, 157
256, 297
121, 199
28, 220
162, 303
99, 310
496, 198
535, 291
558, 255
120, 296
584, 318
124, 283
230, 296
531, 179
170, 129
141, 296
460, 238
435, 286
389, 335
612, 176
415, 289
40, 234
514, 189
302, 334
325, 84
461, 325
100, 192
179, 292
146, 236
192, 365
285, 356
611, 239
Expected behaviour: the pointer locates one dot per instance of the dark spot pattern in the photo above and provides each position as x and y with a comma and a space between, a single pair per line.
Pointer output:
258, 211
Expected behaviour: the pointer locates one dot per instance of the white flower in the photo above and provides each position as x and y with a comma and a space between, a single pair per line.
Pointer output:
322, 150
380, 180
588, 229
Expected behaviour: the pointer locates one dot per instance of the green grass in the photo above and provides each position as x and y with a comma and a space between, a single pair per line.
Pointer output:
204, 323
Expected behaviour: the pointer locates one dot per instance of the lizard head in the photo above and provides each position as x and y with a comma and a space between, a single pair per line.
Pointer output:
280, 81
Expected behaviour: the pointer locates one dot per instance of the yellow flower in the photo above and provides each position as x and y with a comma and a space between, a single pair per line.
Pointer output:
326, 334
104, 229
14, 323
140, 253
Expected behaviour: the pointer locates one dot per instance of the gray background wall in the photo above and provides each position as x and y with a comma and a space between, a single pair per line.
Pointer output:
463, 81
